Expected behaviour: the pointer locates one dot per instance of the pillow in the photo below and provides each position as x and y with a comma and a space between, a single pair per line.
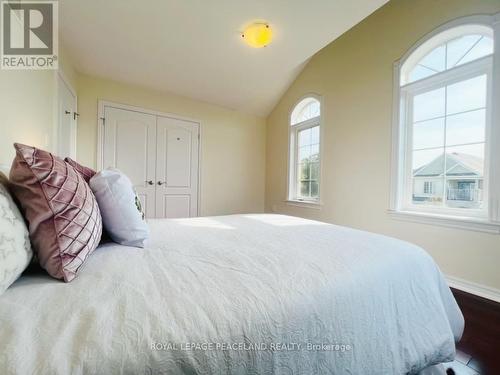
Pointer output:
85, 172
15, 247
121, 214
64, 221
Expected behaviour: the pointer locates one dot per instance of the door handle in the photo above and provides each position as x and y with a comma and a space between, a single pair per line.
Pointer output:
150, 182
67, 112
161, 183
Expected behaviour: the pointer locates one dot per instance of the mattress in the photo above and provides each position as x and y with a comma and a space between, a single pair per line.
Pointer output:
240, 294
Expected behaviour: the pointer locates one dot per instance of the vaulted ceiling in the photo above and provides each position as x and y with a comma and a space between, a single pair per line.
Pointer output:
193, 47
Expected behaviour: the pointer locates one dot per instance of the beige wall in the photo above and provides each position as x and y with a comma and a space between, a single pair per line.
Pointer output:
28, 107
354, 76
26, 110
233, 144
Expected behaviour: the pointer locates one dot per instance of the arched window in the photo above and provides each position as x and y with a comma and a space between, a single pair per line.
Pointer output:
305, 160
443, 125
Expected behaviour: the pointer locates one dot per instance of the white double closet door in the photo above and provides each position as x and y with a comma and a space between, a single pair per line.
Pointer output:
160, 156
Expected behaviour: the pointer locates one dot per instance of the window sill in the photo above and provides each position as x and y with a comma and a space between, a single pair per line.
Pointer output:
474, 224
304, 204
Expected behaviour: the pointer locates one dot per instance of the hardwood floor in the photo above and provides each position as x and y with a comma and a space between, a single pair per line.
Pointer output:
479, 348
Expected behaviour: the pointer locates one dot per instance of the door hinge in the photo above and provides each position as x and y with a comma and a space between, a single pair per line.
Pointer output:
103, 120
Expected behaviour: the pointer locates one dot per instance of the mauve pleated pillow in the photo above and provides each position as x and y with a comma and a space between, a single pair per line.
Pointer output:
64, 220
86, 172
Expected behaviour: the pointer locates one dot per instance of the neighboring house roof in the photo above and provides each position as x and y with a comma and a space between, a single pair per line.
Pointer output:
457, 164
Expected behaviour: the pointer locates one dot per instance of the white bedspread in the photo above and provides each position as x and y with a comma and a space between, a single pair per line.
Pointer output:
242, 294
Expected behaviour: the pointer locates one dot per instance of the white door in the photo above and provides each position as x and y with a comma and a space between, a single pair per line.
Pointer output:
177, 168
130, 145
66, 106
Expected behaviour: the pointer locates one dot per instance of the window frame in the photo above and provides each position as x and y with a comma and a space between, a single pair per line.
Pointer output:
293, 131
487, 220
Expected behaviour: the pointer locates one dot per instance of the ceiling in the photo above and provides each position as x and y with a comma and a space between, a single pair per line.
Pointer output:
193, 47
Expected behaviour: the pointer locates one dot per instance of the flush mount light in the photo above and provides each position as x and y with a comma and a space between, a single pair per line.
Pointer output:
257, 35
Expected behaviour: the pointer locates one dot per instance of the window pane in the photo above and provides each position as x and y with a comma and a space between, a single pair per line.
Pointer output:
432, 63
305, 137
315, 135
466, 95
305, 110
466, 127
458, 48
483, 48
304, 188
428, 170
314, 171
435, 60
465, 160
419, 72
304, 171
314, 189
428, 162
428, 134
304, 154
314, 153
429, 105
464, 176
428, 191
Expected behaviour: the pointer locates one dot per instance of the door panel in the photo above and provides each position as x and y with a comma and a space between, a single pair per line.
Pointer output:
177, 206
177, 168
66, 107
130, 146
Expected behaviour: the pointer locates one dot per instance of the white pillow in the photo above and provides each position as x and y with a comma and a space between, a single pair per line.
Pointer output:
121, 213
15, 246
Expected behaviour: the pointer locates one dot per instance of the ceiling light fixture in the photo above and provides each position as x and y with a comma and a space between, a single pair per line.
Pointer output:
257, 35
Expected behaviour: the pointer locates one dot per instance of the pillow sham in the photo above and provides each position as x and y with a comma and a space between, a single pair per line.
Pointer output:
15, 247
63, 217
120, 208
86, 172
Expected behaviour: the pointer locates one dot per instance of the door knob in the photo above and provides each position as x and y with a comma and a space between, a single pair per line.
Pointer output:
150, 182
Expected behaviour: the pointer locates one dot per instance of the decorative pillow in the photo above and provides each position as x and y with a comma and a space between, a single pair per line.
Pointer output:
15, 247
64, 221
86, 172
121, 212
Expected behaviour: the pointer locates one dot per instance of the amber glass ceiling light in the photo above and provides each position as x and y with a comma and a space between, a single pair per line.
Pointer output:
257, 35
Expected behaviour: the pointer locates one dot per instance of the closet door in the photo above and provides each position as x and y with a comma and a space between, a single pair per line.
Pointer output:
177, 168
66, 108
130, 146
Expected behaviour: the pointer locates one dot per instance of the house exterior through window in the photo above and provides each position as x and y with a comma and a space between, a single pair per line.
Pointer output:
304, 155
446, 130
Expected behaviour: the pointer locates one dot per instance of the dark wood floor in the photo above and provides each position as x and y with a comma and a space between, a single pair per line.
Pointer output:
481, 338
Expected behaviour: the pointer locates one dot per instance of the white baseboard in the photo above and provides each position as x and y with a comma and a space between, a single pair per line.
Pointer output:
474, 288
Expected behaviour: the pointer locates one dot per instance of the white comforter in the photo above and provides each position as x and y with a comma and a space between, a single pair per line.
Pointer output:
243, 294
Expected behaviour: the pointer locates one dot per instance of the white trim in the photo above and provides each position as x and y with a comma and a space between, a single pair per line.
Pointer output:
292, 129
102, 104
399, 160
449, 221
481, 24
304, 204
59, 76
480, 290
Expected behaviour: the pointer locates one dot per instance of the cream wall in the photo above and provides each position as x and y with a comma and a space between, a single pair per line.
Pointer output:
26, 110
28, 107
354, 76
233, 144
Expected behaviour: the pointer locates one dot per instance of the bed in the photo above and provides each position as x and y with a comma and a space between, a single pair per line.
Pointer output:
239, 294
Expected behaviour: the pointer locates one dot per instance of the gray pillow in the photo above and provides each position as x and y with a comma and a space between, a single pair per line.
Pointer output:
121, 213
15, 246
